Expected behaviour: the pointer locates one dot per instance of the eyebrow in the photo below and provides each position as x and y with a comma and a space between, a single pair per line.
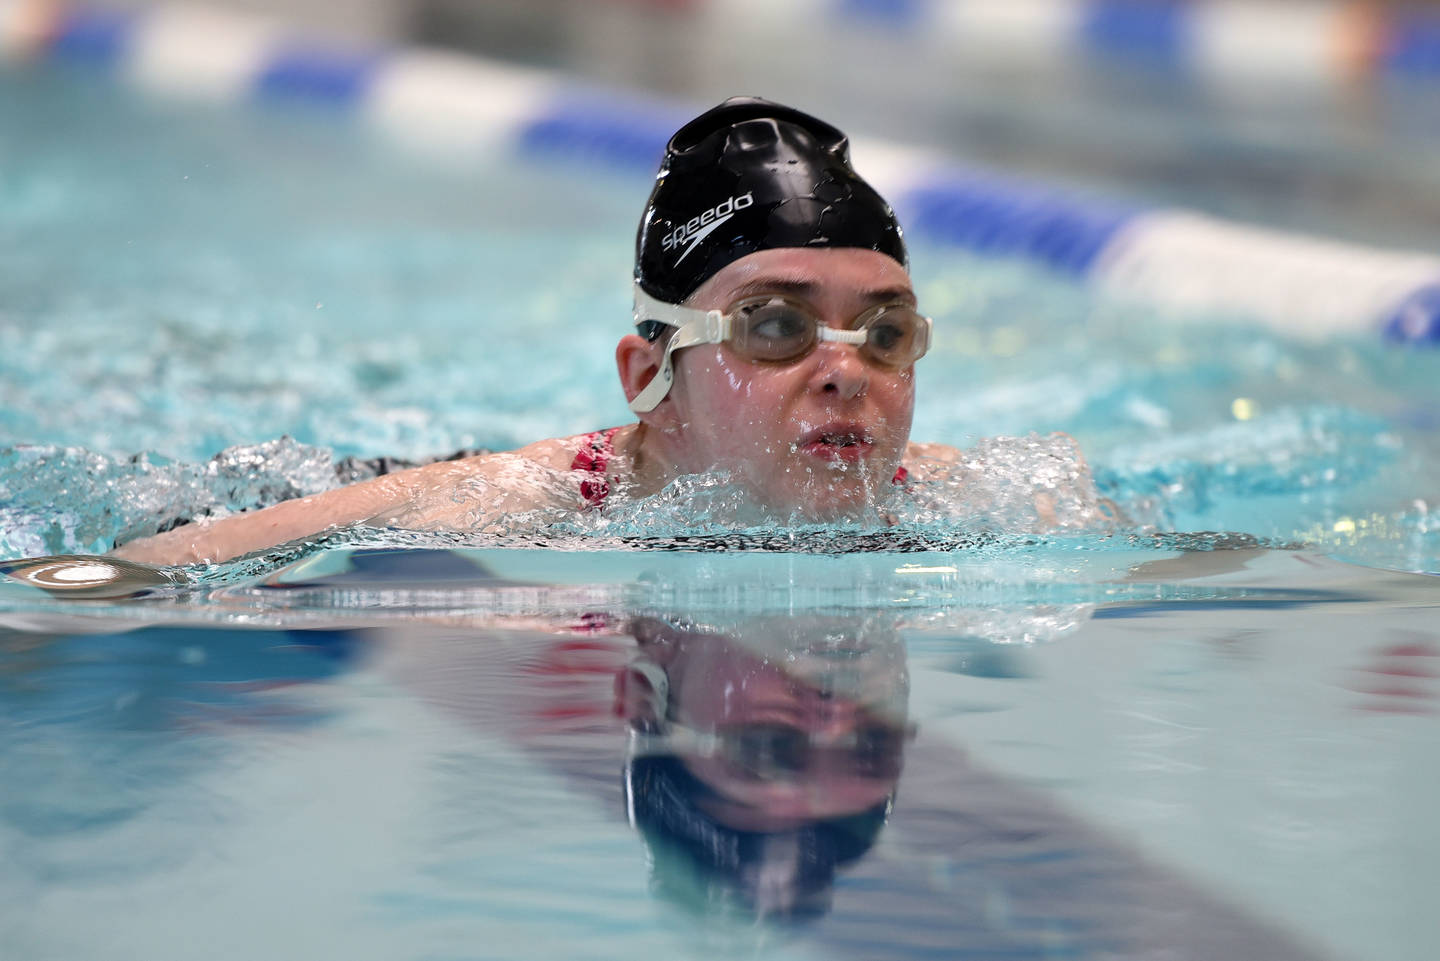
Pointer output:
806, 289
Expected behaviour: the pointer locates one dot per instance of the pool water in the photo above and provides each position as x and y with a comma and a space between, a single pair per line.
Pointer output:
212, 279
1127, 742
376, 753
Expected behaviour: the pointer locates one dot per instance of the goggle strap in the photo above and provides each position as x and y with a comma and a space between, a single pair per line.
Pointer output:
676, 739
857, 337
649, 308
696, 327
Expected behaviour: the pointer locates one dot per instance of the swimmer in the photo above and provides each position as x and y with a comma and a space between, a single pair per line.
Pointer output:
764, 756
776, 338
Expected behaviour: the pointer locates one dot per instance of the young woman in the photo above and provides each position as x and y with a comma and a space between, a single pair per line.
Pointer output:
776, 337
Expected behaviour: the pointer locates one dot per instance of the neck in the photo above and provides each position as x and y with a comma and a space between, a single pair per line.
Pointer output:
652, 459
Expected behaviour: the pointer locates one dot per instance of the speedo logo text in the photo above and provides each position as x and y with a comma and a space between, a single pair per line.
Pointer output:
689, 234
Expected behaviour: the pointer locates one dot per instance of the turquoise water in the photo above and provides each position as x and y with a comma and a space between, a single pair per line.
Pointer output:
206, 279
1128, 742
1118, 754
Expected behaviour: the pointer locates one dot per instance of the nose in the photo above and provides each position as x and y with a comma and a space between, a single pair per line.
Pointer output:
840, 371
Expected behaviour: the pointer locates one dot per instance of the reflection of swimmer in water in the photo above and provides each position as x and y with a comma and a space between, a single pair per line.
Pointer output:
763, 759
776, 336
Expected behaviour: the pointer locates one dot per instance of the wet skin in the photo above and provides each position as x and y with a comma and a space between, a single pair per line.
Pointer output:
818, 438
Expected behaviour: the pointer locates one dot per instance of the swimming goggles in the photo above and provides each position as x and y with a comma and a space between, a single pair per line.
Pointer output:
771, 328
785, 753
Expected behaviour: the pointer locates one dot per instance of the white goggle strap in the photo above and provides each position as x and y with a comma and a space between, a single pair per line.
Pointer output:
696, 327
856, 337
677, 739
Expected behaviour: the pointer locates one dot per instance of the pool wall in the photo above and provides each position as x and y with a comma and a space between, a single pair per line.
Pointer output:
1173, 258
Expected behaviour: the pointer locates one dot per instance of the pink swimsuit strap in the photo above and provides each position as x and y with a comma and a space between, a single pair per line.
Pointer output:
598, 447
593, 457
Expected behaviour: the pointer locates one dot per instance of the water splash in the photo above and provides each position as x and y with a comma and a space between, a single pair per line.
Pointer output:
70, 500
1406, 540
1003, 494
1010, 485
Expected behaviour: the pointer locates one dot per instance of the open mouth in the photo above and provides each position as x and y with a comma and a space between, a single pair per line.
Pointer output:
837, 443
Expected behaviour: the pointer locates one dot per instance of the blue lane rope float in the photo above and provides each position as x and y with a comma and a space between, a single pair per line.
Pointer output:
1153, 32
1006, 218
892, 12
315, 73
1320, 43
1417, 319
1414, 49
1302, 286
99, 37
627, 132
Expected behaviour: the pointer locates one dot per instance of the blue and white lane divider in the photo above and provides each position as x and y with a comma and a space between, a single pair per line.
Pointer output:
1225, 42
1302, 286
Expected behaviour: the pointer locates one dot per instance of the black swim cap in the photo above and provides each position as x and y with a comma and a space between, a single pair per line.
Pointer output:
785, 875
754, 175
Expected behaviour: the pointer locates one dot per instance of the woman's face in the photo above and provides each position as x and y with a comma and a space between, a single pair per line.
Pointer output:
834, 699
819, 437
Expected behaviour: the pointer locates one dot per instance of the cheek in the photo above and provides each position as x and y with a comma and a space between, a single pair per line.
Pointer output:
763, 417
724, 382
750, 398
896, 396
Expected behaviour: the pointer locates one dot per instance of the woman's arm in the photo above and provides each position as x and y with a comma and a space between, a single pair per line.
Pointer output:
455, 495
212, 541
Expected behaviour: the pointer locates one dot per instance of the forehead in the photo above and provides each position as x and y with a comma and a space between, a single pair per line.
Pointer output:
835, 271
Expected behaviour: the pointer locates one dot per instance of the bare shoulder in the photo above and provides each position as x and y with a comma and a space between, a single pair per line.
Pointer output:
1036, 481
917, 453
559, 453
925, 459
946, 454
556, 453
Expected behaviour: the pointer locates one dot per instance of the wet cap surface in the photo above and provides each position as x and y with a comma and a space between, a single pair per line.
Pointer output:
754, 175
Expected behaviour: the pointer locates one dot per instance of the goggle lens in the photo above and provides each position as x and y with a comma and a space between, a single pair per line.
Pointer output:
774, 329
780, 752
896, 336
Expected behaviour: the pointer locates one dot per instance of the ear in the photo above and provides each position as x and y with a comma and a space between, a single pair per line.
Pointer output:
638, 361
642, 694
642, 687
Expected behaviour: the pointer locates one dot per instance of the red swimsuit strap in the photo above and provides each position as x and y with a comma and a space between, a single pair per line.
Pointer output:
593, 457
598, 447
